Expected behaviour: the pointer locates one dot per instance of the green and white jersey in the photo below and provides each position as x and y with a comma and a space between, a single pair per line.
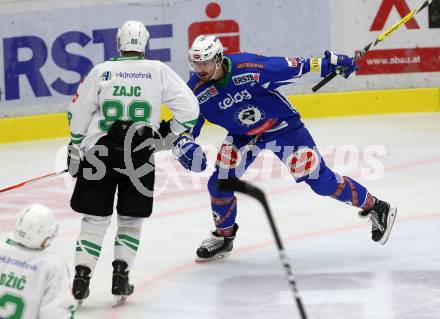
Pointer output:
129, 89
34, 284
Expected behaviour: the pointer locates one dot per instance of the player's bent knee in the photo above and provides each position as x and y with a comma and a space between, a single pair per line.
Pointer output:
214, 191
130, 222
324, 184
95, 224
212, 184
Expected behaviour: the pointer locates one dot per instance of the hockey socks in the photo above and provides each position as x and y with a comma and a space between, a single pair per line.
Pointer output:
352, 193
127, 244
89, 242
224, 211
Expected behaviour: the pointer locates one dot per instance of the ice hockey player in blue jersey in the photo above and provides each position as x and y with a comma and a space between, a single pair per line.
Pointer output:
239, 93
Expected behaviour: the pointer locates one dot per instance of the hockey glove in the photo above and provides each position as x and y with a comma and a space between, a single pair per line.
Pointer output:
339, 63
164, 128
167, 137
189, 154
73, 159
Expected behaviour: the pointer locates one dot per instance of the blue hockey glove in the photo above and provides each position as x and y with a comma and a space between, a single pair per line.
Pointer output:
340, 63
189, 154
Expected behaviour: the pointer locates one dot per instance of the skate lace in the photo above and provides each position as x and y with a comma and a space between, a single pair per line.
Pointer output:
374, 218
212, 244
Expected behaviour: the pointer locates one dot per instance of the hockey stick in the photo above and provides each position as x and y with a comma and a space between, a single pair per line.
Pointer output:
36, 179
380, 38
248, 189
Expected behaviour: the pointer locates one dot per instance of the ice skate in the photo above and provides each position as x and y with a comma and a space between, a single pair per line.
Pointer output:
81, 282
382, 217
121, 287
216, 247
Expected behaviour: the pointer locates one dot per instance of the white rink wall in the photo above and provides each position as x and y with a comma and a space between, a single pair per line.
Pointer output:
47, 46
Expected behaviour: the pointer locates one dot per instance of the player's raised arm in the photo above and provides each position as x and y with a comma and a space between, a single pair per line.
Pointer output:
334, 62
277, 71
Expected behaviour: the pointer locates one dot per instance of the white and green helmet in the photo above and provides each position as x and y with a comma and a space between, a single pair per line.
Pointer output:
35, 227
132, 36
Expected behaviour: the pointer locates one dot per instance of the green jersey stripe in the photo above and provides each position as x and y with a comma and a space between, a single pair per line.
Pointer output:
190, 124
119, 58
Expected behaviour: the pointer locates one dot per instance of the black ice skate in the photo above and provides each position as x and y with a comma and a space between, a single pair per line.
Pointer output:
216, 247
382, 217
81, 282
121, 287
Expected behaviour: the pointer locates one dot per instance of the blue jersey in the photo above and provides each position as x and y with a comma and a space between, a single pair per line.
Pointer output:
246, 100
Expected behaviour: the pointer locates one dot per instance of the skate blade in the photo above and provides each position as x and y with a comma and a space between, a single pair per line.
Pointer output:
119, 300
391, 218
79, 303
216, 257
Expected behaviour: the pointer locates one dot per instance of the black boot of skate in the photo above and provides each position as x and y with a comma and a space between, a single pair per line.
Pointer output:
81, 282
216, 247
382, 217
121, 287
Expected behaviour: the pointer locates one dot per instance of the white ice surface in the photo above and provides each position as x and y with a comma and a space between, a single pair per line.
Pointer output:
340, 272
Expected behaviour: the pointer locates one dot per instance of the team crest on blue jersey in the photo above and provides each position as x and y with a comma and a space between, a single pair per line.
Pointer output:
106, 76
249, 115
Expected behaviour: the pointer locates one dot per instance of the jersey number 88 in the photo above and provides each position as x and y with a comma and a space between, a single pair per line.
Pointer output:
113, 110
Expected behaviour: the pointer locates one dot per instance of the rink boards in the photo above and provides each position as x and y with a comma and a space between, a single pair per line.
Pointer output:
309, 105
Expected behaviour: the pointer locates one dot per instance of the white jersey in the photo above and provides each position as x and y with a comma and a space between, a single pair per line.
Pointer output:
34, 284
129, 89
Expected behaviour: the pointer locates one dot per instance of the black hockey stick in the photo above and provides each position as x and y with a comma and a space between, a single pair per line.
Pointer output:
380, 38
248, 189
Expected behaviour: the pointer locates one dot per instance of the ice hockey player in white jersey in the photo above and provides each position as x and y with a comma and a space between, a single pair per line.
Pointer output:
34, 283
117, 108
